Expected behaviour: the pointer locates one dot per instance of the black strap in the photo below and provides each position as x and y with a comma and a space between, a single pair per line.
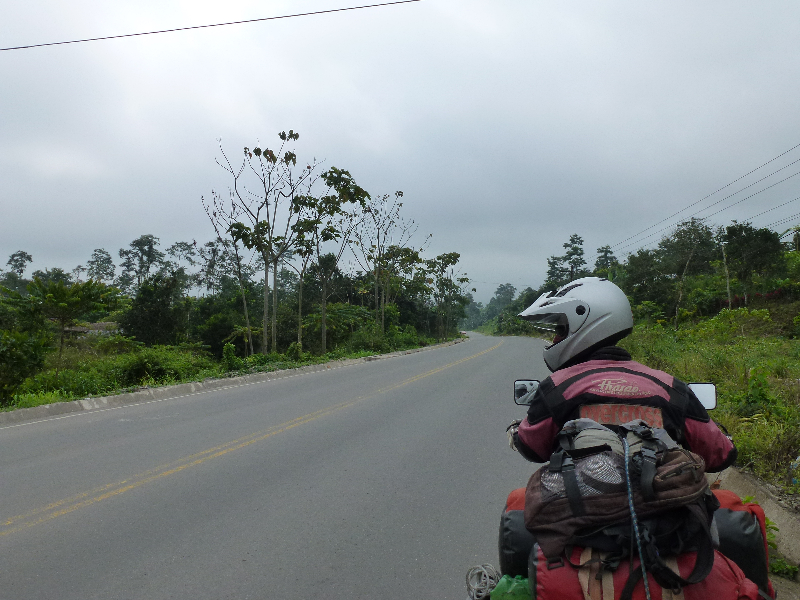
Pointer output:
561, 462
651, 445
666, 577
572, 489
555, 563
566, 441
633, 579
649, 460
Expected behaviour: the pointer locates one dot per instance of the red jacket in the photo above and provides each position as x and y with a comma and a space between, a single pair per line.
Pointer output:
612, 389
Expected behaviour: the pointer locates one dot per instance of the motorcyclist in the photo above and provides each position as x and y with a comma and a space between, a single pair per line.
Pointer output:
594, 378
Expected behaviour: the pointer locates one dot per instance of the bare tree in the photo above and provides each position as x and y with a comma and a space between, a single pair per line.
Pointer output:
222, 218
270, 209
381, 226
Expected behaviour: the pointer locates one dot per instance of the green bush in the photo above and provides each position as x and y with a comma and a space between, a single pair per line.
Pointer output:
648, 311
231, 362
511, 324
116, 344
758, 398
404, 338
295, 352
260, 360
739, 321
21, 354
780, 567
157, 365
369, 337
101, 365
30, 400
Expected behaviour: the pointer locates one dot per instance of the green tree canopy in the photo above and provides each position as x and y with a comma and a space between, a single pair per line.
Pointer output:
752, 251
605, 261
54, 275
158, 313
101, 266
573, 257
688, 250
18, 262
141, 257
65, 303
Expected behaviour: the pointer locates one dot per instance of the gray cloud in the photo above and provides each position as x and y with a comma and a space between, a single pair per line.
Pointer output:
508, 125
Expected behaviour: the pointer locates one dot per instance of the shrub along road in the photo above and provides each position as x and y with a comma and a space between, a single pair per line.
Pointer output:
378, 480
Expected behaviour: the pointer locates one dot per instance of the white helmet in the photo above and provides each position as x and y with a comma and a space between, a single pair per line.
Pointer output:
583, 316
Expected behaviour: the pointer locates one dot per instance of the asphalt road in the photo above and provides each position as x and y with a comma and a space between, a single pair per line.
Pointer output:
378, 480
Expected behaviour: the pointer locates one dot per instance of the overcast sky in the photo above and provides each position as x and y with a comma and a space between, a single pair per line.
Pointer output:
508, 125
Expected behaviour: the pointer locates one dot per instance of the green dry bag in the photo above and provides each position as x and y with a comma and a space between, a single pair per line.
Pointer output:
511, 589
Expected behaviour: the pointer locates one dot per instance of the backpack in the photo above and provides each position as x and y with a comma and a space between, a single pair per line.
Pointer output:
581, 499
581, 577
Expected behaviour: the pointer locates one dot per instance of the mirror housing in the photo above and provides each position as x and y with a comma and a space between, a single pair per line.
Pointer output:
524, 388
706, 393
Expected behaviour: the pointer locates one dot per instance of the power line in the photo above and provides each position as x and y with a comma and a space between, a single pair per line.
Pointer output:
786, 220
640, 240
712, 214
747, 198
715, 192
771, 209
127, 35
715, 203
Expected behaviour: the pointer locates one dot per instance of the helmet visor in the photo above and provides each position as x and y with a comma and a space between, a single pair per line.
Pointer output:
554, 327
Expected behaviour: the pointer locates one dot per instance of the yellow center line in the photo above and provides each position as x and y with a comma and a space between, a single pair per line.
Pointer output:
98, 494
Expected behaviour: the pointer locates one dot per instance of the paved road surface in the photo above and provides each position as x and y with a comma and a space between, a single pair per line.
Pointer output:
378, 480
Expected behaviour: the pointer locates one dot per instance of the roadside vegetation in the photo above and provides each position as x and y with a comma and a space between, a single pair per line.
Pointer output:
719, 305
757, 372
304, 266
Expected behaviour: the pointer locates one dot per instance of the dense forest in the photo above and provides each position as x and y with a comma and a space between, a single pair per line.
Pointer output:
303, 264
695, 271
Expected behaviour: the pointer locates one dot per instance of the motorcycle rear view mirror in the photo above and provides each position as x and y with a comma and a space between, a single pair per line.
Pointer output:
706, 393
523, 391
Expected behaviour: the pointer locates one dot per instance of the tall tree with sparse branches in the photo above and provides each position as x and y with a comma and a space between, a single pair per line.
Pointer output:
381, 226
327, 224
269, 208
223, 216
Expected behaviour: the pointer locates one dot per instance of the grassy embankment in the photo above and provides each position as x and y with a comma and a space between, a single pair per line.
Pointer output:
97, 366
753, 356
